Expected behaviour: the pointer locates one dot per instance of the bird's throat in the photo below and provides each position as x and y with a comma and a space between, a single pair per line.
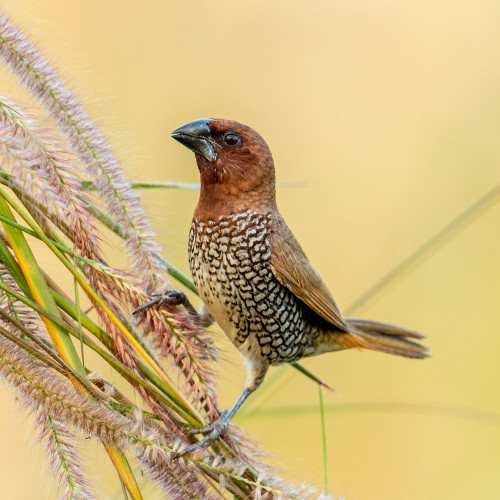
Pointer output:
220, 198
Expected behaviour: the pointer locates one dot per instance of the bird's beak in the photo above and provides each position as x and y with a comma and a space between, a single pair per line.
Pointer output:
196, 136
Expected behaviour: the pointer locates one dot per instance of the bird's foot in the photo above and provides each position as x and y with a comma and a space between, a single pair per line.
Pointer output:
214, 431
169, 298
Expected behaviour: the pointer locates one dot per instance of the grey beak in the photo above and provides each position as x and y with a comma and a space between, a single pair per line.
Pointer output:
196, 136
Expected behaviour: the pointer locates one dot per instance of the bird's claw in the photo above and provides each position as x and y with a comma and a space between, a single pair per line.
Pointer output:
169, 298
222, 421
214, 431
147, 305
203, 430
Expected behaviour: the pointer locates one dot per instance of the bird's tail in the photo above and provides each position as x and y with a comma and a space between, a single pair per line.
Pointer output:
383, 337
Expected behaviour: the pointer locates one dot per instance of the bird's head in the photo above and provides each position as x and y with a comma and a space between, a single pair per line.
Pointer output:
236, 165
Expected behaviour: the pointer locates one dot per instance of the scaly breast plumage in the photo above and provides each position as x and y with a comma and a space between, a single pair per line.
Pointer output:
230, 263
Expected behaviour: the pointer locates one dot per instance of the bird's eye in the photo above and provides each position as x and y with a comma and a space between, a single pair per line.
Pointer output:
231, 139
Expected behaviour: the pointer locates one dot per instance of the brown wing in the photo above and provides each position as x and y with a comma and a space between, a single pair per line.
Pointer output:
293, 269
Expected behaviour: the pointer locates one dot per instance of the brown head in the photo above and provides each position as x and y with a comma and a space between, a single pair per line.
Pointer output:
236, 167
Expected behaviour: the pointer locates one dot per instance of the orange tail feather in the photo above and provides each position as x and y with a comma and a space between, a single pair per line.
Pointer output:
384, 338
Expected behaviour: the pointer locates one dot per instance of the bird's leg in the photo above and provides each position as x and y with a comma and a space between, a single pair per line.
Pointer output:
217, 428
256, 373
177, 298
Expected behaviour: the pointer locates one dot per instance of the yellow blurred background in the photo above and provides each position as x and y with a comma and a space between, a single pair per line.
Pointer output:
389, 113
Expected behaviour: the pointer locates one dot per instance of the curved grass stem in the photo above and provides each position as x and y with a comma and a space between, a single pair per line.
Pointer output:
62, 342
156, 388
91, 293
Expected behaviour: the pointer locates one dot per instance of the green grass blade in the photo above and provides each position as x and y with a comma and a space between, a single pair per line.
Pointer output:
309, 374
79, 317
40, 290
124, 470
179, 275
166, 185
180, 398
43, 296
58, 244
323, 438
49, 361
27, 333
158, 388
14, 269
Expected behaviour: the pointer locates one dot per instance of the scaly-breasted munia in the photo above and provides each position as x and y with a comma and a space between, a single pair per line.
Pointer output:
252, 275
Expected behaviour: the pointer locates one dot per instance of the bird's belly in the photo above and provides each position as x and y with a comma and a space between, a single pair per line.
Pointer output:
230, 264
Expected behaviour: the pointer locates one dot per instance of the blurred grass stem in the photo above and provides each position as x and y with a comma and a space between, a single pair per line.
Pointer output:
429, 247
323, 437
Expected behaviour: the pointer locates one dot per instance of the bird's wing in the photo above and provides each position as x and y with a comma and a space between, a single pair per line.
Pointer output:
292, 269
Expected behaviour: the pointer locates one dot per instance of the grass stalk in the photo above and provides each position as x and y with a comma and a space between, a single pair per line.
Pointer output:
62, 342
302, 369
79, 316
323, 438
180, 399
40, 290
117, 229
156, 388
49, 361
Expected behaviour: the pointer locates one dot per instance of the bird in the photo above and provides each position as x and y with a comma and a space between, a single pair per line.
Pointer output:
251, 273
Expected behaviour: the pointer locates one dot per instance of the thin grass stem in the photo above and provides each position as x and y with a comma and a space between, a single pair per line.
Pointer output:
323, 438
85, 286
311, 375
38, 341
39, 288
428, 248
60, 246
117, 229
79, 317
49, 361
431, 408
14, 269
159, 390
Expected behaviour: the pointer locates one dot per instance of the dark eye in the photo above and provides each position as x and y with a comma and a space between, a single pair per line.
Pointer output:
231, 139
